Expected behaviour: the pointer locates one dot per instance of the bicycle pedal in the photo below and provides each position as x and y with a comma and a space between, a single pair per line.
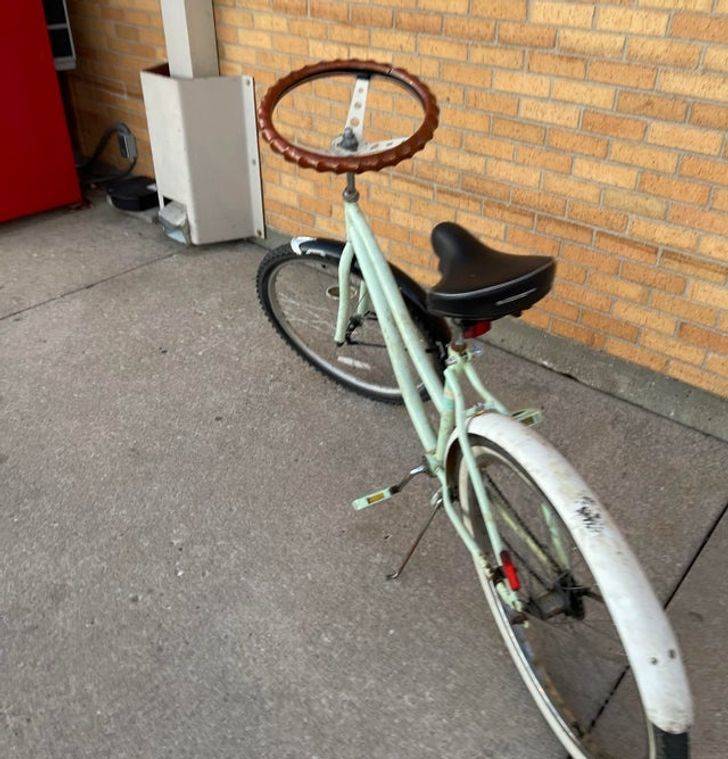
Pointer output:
382, 495
372, 499
528, 416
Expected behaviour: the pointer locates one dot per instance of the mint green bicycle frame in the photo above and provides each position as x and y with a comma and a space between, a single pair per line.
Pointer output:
404, 346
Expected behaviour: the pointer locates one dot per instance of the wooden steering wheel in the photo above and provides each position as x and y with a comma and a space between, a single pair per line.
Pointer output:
349, 153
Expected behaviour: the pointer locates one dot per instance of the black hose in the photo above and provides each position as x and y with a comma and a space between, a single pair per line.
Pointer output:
85, 172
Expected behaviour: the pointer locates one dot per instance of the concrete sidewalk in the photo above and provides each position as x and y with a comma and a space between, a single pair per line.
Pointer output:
182, 575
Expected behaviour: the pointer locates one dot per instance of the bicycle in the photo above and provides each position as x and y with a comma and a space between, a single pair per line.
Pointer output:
569, 598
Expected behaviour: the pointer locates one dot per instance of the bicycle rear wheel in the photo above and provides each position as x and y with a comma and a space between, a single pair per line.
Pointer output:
563, 640
300, 295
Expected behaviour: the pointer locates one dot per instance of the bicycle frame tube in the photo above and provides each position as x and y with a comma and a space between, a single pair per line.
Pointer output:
403, 344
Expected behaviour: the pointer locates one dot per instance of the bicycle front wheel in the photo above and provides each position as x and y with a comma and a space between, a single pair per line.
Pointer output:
560, 631
300, 295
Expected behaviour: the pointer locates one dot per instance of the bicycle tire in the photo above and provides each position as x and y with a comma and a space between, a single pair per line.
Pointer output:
271, 263
659, 743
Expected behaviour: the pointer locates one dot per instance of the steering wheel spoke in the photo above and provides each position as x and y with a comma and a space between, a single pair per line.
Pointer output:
358, 107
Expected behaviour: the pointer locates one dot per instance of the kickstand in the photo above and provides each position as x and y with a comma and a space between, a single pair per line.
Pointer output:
437, 500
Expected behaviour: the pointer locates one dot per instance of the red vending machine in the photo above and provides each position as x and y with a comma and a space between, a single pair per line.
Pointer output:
35, 148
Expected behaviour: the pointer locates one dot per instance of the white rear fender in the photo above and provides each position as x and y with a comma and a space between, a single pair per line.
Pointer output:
638, 615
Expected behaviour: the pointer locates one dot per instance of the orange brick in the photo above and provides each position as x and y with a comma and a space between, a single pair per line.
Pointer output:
570, 187
512, 172
546, 159
641, 155
709, 115
617, 286
716, 59
531, 243
371, 15
536, 317
508, 214
618, 126
697, 26
465, 74
564, 229
636, 354
633, 21
689, 216
573, 142
500, 9
714, 247
419, 22
677, 189
481, 225
529, 84
663, 52
582, 295
644, 317
443, 6
290, 6
561, 308
517, 130
684, 309
711, 295
702, 168
719, 365
540, 201
526, 35
485, 145
558, 65
551, 113
707, 86
698, 377
624, 74
468, 28
485, 186
389, 39
496, 56
694, 267
685, 138
600, 171
663, 234
589, 259
591, 43
442, 48
329, 9
610, 325
651, 105
669, 346
720, 199
584, 93
577, 332
345, 33
632, 202
598, 217
492, 101
561, 14
653, 278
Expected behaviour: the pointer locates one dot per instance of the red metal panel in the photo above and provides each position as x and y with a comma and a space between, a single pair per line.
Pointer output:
36, 160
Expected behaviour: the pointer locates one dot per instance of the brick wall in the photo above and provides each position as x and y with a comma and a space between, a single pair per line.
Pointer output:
595, 132
115, 40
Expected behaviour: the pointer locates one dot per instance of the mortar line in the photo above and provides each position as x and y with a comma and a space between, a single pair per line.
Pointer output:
85, 287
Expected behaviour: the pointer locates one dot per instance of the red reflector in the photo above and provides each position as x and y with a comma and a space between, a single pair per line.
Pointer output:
476, 329
509, 571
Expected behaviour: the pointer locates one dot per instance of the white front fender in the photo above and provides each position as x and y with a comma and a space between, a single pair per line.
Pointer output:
638, 615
